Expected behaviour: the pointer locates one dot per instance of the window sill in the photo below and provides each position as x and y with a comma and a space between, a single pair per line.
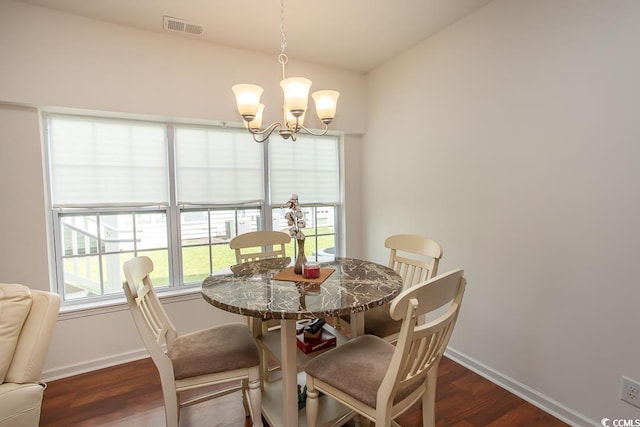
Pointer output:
120, 304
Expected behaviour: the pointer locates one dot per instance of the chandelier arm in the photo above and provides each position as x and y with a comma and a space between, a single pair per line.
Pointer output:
266, 133
324, 132
260, 141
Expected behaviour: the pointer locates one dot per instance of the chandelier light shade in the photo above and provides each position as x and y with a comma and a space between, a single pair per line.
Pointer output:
326, 102
295, 92
248, 100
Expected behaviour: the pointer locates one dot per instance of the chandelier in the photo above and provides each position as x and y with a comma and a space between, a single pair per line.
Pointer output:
295, 93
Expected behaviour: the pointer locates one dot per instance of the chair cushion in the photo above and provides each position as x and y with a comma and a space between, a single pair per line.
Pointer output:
355, 368
378, 322
15, 303
218, 349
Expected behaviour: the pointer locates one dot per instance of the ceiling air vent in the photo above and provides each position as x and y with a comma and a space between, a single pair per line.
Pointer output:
181, 26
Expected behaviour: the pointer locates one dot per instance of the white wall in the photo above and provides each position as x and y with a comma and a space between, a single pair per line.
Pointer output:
510, 137
513, 138
22, 260
52, 59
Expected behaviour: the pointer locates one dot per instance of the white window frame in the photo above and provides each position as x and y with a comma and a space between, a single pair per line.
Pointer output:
173, 213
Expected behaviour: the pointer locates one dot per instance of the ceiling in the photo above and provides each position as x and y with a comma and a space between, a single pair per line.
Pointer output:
356, 35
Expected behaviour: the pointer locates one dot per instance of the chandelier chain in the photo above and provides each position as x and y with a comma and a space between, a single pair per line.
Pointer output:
283, 37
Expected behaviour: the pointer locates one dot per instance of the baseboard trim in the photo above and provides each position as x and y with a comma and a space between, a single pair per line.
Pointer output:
92, 365
530, 395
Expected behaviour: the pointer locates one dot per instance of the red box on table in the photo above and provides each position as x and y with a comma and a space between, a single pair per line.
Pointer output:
310, 345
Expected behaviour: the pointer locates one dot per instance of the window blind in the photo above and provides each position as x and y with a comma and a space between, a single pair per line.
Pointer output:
107, 162
218, 166
308, 167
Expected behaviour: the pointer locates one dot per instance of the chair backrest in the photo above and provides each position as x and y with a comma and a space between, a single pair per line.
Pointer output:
414, 257
257, 245
152, 321
420, 345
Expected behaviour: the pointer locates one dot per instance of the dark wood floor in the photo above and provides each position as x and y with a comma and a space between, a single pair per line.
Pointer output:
130, 395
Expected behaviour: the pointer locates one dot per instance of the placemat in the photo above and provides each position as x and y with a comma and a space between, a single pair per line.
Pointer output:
288, 275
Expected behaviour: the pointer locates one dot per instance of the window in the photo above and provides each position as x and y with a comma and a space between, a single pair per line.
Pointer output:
313, 165
178, 194
205, 239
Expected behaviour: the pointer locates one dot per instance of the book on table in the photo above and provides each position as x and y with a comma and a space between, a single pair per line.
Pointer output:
309, 345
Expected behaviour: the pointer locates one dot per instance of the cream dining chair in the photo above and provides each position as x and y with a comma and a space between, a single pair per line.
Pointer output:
255, 246
416, 259
379, 380
221, 354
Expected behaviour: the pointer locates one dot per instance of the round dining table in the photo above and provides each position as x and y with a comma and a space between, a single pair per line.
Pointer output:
268, 289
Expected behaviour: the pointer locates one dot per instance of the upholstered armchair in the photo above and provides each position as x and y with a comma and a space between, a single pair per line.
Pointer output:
27, 320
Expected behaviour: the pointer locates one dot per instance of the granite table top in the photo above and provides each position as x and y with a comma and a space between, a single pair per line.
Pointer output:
354, 286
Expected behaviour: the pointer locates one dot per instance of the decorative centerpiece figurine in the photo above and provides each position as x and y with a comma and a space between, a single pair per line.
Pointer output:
296, 222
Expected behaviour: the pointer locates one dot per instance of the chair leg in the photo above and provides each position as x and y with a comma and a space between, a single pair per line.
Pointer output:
244, 391
265, 365
255, 396
171, 405
259, 328
429, 399
312, 403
